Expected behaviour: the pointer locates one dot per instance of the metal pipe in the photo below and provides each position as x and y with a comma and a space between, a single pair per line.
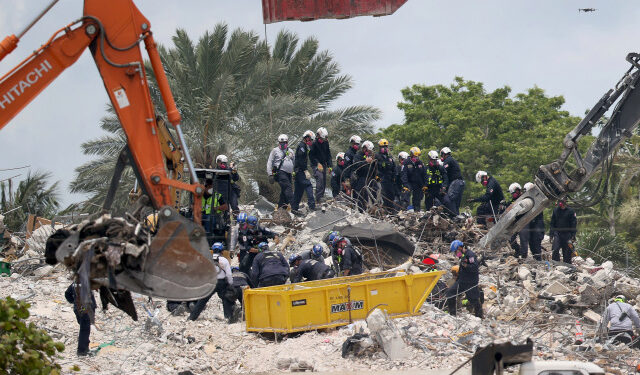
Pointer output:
30, 25
185, 152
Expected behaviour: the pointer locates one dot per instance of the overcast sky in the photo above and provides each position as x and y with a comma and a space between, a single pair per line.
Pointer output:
516, 43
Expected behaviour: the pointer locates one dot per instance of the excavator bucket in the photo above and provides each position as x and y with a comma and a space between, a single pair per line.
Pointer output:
175, 264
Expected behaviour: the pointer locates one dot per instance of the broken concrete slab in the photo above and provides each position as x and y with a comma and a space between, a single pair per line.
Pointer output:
556, 288
592, 315
387, 335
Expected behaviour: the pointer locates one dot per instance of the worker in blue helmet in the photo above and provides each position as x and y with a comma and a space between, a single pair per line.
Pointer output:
315, 253
248, 241
308, 269
269, 267
467, 280
225, 280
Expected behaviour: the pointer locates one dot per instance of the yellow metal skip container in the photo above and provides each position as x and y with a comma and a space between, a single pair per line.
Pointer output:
335, 302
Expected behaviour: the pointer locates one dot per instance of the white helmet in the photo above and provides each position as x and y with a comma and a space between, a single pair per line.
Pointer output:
340, 156
445, 150
513, 187
322, 132
283, 138
368, 145
433, 154
309, 134
355, 139
479, 176
222, 159
403, 155
528, 186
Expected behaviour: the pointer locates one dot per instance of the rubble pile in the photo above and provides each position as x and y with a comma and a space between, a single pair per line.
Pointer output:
557, 305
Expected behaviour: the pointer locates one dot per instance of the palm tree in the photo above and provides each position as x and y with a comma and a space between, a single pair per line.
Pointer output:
34, 195
236, 94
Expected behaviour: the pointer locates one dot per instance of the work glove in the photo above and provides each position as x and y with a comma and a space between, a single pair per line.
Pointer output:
307, 175
330, 169
405, 189
369, 159
425, 188
378, 178
320, 167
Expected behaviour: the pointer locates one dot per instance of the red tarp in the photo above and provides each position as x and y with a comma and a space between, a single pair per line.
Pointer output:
308, 10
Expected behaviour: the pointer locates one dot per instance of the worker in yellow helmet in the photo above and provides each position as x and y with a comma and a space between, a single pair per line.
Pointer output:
386, 168
414, 178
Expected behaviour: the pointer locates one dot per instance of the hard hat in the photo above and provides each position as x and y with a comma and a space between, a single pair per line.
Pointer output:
479, 176
252, 220
355, 139
368, 145
217, 247
322, 132
317, 250
293, 258
455, 245
242, 217
283, 138
528, 186
222, 159
433, 154
235, 269
263, 246
620, 298
332, 235
309, 134
414, 151
339, 156
403, 155
383, 143
445, 150
513, 187
336, 240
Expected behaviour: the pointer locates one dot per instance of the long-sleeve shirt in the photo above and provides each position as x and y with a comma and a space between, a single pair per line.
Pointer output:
614, 312
386, 167
266, 264
309, 269
223, 268
276, 156
362, 170
320, 153
453, 168
300, 163
564, 221
469, 272
336, 176
492, 194
436, 177
413, 174
349, 155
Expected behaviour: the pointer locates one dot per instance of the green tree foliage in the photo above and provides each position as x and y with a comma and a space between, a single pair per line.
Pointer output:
34, 195
236, 94
24, 349
601, 245
507, 136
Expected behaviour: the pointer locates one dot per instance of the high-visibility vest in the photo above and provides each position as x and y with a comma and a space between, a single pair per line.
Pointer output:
209, 202
434, 177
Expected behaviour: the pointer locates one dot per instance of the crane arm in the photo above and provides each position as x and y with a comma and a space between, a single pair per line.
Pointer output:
553, 181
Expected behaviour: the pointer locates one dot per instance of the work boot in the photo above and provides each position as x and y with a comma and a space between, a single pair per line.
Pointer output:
451, 306
478, 311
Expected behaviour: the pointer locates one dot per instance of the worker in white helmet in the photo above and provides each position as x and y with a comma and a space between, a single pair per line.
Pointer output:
301, 183
280, 169
456, 182
536, 229
490, 200
320, 159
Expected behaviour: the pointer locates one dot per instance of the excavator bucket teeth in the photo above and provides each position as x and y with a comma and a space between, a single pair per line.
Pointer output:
178, 266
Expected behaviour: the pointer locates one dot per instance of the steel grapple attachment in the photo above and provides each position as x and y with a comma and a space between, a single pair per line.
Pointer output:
175, 263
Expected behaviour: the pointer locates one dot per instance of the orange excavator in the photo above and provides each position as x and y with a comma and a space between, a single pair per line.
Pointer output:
172, 260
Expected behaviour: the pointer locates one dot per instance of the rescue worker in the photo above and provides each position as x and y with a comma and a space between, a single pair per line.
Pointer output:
316, 253
490, 206
351, 152
254, 235
437, 181
467, 280
363, 172
83, 317
301, 174
241, 281
213, 207
320, 159
347, 259
562, 231
403, 197
269, 267
331, 243
223, 181
522, 249
623, 318
337, 185
280, 169
413, 178
456, 182
386, 169
225, 280
536, 230
308, 269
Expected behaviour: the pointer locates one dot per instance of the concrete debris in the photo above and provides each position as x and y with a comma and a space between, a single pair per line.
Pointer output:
543, 300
